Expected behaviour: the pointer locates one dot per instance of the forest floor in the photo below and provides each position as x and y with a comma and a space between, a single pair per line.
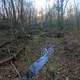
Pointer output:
64, 65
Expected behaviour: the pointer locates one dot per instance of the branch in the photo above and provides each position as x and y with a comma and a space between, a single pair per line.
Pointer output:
66, 5
16, 70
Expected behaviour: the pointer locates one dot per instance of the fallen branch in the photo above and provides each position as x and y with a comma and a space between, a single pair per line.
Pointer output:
16, 70
5, 43
12, 57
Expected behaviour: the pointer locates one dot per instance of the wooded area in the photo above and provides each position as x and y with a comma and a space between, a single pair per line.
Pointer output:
25, 29
21, 15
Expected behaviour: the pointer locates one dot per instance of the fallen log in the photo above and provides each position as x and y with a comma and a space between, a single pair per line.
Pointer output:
11, 57
5, 43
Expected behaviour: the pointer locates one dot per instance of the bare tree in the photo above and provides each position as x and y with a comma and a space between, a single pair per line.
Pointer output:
58, 11
77, 14
21, 11
61, 10
5, 7
14, 12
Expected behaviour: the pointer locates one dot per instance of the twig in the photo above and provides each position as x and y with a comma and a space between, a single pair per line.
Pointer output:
10, 58
5, 43
16, 70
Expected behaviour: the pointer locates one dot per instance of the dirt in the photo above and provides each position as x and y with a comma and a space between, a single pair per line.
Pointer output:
7, 72
64, 65
69, 58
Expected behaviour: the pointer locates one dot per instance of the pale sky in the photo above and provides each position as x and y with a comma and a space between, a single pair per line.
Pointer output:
39, 4
42, 3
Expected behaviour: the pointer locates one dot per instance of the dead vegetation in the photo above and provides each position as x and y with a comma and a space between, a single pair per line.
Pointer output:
65, 64
69, 58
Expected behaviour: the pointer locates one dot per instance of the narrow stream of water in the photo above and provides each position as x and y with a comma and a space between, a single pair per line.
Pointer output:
38, 64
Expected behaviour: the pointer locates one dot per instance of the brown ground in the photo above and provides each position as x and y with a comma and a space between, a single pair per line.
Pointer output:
68, 57
65, 65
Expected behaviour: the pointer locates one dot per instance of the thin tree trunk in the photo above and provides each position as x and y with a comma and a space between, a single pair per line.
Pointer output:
14, 12
4, 4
